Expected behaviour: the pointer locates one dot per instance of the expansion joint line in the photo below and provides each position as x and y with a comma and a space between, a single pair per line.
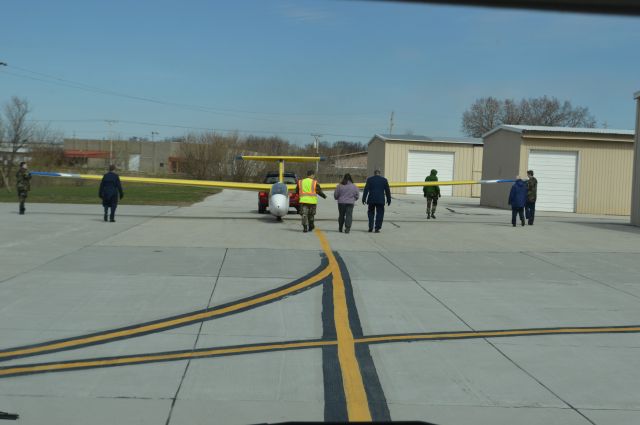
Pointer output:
312, 279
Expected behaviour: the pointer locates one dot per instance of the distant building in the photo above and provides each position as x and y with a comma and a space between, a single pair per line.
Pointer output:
6, 149
355, 160
129, 155
583, 170
25, 153
406, 158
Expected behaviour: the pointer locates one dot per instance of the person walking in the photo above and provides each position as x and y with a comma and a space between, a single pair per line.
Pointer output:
23, 185
346, 194
517, 200
375, 191
110, 191
532, 195
308, 190
432, 193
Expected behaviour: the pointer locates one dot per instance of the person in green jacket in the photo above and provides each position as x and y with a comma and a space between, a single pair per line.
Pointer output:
432, 193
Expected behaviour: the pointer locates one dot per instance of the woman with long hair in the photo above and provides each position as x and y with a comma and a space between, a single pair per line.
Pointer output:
346, 194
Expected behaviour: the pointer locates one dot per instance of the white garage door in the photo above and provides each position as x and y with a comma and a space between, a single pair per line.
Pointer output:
420, 165
556, 173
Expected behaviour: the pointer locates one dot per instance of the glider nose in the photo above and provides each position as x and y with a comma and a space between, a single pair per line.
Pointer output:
279, 205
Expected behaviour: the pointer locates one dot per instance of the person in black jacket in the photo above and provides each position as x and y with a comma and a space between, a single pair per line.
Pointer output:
375, 191
110, 191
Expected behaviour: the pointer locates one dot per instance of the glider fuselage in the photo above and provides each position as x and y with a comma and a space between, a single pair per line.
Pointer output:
279, 200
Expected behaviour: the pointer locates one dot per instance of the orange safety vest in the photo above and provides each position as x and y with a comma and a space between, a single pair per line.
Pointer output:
307, 190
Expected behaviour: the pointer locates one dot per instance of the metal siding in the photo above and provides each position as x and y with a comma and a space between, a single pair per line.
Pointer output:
396, 169
604, 173
635, 210
476, 189
500, 160
375, 156
397, 154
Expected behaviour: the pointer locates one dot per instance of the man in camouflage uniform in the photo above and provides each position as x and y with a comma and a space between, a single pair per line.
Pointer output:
532, 195
23, 184
308, 191
432, 193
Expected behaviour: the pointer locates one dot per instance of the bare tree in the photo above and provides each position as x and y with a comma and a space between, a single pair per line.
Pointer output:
211, 156
485, 113
47, 155
488, 113
16, 134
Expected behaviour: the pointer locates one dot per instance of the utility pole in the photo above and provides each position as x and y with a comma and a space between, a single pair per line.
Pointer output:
153, 133
317, 143
110, 123
391, 123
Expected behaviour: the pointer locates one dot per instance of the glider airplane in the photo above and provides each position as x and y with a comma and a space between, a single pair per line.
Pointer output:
278, 192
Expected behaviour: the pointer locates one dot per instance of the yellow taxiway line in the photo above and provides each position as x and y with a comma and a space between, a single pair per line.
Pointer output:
355, 394
162, 325
359, 405
497, 334
159, 357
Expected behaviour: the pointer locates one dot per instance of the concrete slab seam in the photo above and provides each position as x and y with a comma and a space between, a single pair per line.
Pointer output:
299, 285
582, 275
195, 343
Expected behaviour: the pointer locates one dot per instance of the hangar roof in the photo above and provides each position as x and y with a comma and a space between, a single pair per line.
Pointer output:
427, 139
547, 129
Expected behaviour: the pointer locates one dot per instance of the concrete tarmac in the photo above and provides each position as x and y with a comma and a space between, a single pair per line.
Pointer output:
214, 313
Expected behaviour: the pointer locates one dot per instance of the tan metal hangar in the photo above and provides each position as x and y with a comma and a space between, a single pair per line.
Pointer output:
581, 170
411, 158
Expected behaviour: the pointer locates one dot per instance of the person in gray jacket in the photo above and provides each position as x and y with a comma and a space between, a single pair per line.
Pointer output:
346, 194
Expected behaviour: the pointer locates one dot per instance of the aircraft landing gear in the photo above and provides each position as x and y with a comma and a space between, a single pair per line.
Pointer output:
279, 218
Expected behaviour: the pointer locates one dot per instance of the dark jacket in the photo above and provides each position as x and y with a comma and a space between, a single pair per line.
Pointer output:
532, 189
375, 191
518, 194
432, 191
110, 187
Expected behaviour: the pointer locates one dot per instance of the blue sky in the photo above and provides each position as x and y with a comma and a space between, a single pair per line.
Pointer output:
293, 68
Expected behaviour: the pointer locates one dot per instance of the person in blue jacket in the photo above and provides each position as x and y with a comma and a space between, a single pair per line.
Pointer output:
110, 191
517, 200
375, 191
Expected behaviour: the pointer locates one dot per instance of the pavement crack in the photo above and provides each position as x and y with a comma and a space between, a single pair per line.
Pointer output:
195, 343
544, 260
427, 291
556, 395
90, 244
491, 343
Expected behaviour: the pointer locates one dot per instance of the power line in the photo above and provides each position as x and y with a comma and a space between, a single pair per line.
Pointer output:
187, 127
178, 105
81, 86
